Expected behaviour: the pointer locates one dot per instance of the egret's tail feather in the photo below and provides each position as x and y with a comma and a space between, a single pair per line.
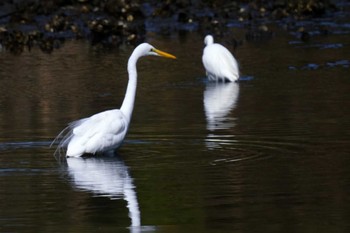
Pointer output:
64, 137
60, 136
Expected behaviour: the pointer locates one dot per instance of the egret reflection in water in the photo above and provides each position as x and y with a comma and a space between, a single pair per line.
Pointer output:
219, 99
108, 177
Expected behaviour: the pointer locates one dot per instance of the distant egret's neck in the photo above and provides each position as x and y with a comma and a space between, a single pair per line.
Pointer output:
129, 99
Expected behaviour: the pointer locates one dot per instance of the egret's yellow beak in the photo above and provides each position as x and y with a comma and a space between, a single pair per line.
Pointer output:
164, 54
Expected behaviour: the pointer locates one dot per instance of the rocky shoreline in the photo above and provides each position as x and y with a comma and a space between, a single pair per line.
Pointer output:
111, 23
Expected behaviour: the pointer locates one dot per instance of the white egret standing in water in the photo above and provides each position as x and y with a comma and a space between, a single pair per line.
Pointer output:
218, 62
105, 131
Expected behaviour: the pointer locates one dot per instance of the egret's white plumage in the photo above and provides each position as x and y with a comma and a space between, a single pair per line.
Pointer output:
218, 62
106, 130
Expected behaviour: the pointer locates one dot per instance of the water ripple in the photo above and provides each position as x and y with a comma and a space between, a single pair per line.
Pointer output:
241, 148
224, 148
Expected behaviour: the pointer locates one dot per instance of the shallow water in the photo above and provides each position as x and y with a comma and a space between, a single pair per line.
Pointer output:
269, 153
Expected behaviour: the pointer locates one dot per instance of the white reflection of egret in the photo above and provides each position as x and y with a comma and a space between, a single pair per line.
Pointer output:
219, 99
109, 177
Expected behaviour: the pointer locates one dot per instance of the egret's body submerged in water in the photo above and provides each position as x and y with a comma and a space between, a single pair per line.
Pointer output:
106, 131
218, 62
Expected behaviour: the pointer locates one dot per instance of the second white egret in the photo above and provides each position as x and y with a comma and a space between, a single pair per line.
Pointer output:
219, 63
105, 131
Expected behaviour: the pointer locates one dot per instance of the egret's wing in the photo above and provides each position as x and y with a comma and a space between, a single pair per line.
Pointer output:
229, 62
104, 122
99, 129
65, 136
99, 132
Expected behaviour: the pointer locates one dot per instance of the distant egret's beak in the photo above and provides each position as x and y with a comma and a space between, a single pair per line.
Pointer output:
164, 54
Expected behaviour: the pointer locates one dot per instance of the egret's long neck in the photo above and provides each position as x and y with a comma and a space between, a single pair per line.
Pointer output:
129, 99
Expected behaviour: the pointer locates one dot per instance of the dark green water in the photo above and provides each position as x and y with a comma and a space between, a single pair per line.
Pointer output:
270, 153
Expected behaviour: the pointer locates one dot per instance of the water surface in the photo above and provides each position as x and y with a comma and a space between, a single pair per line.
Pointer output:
269, 153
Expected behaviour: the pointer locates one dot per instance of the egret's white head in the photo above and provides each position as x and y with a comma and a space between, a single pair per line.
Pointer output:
146, 49
208, 40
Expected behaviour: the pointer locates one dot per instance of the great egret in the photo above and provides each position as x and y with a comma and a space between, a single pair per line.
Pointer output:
105, 131
218, 62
